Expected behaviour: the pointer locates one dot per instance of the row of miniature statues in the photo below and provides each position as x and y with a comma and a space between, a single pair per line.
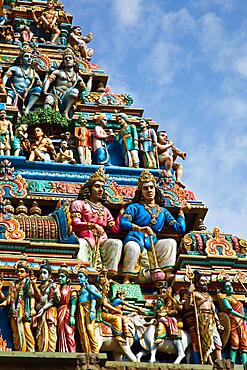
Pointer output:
45, 28
143, 148
44, 316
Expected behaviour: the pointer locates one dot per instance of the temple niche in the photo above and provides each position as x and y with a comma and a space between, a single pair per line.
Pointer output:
103, 247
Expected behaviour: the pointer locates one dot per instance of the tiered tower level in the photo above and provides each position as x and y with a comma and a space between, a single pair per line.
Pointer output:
61, 128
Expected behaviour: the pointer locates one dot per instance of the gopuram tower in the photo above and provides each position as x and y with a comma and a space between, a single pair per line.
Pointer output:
103, 248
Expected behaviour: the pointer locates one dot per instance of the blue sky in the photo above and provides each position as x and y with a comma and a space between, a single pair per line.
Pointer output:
185, 63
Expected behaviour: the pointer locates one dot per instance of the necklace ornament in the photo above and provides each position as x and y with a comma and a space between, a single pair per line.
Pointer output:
154, 212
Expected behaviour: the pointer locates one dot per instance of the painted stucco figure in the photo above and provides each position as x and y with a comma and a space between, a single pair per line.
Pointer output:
20, 299
129, 138
46, 298
144, 219
100, 138
208, 320
67, 299
42, 149
86, 313
79, 42
22, 82
83, 141
6, 133
147, 144
48, 21
235, 310
90, 218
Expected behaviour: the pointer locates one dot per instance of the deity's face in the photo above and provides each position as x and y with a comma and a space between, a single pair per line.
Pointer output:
26, 59
38, 132
148, 191
62, 278
21, 273
103, 122
203, 283
3, 114
49, 4
143, 124
121, 121
82, 278
77, 31
228, 288
97, 190
83, 121
44, 274
68, 60
162, 137
64, 145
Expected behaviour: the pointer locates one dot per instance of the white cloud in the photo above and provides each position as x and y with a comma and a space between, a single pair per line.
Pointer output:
180, 22
127, 11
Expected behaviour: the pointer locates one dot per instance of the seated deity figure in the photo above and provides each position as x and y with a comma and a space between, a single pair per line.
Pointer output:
168, 323
147, 144
78, 42
46, 295
42, 149
83, 141
6, 133
65, 154
20, 299
129, 137
90, 218
100, 137
144, 219
22, 83
168, 154
111, 314
64, 85
48, 21
86, 312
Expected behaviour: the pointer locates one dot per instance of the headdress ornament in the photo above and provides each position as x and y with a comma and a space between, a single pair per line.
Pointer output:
64, 268
100, 117
99, 175
122, 115
81, 116
68, 51
22, 263
145, 176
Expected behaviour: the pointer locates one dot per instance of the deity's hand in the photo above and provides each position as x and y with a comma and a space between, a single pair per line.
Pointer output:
92, 315
72, 321
147, 230
191, 288
220, 327
40, 313
98, 229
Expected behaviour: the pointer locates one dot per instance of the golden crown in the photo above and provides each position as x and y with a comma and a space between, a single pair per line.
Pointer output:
99, 175
145, 176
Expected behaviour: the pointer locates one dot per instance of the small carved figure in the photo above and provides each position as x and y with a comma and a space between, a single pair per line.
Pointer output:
46, 296
67, 299
147, 142
144, 219
20, 139
22, 82
42, 149
168, 309
65, 154
21, 300
109, 313
64, 85
235, 310
100, 138
6, 133
90, 219
129, 137
83, 141
48, 21
167, 157
78, 42
120, 303
208, 321
86, 313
